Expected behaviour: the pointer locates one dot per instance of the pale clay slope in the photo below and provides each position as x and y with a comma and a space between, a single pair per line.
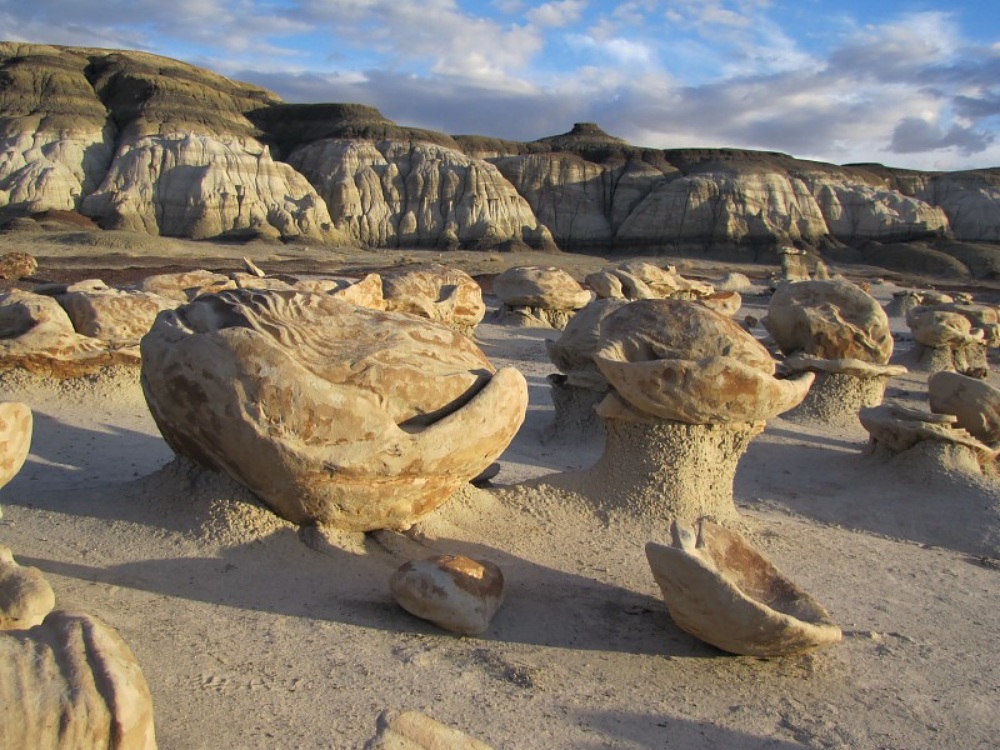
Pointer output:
249, 638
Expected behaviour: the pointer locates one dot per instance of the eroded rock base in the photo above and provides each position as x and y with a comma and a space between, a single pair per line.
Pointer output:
835, 399
575, 418
667, 471
968, 359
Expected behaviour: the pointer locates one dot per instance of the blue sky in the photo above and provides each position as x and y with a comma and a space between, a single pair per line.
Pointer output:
908, 84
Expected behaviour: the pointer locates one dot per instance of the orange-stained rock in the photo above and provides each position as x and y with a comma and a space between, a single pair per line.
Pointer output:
329, 412
16, 423
454, 592
439, 293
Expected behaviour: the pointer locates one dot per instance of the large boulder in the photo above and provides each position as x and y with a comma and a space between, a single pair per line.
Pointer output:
16, 423
974, 403
329, 412
72, 683
538, 296
113, 315
831, 319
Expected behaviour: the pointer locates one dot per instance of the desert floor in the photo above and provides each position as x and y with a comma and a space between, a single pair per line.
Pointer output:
254, 635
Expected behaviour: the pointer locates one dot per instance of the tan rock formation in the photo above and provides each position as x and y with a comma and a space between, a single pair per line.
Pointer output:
535, 296
16, 266
837, 330
37, 334
410, 194
115, 316
974, 403
184, 286
412, 730
934, 439
16, 424
720, 589
950, 338
26, 598
439, 293
454, 592
689, 390
72, 683
329, 412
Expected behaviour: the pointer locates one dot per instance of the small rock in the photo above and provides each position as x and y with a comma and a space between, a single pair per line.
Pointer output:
454, 592
25, 596
411, 730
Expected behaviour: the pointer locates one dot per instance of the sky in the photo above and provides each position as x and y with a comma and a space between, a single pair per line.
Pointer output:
907, 84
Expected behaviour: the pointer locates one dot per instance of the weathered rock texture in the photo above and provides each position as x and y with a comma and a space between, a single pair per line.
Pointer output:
838, 331
689, 389
953, 337
16, 424
974, 403
25, 596
439, 293
72, 683
329, 412
454, 592
533, 296
720, 589
141, 142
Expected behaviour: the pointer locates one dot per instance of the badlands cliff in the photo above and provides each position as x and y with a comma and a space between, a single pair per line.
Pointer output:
144, 143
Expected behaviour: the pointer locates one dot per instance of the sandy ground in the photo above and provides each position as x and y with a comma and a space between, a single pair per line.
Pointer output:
251, 638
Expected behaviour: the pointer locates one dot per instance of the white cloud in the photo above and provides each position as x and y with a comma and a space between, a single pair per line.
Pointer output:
557, 14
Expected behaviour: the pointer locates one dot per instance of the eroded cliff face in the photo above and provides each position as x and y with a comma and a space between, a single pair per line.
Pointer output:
149, 144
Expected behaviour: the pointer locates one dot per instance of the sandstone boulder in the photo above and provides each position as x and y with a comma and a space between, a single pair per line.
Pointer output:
573, 352
454, 592
830, 319
184, 286
38, 335
680, 361
533, 296
115, 316
439, 293
16, 266
974, 403
329, 412
15, 438
721, 590
72, 683
25, 596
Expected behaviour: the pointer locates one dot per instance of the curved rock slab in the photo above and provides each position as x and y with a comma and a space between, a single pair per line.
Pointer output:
454, 592
721, 590
680, 361
16, 424
329, 412
25, 596
974, 403
830, 319
72, 683
899, 429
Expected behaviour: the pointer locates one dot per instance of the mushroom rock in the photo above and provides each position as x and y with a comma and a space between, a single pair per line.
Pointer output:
454, 592
689, 390
974, 403
840, 332
116, 316
532, 296
25, 596
72, 683
932, 440
579, 386
720, 589
953, 337
329, 412
412, 730
37, 334
439, 293
664, 282
905, 300
16, 425
185, 285
946, 341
